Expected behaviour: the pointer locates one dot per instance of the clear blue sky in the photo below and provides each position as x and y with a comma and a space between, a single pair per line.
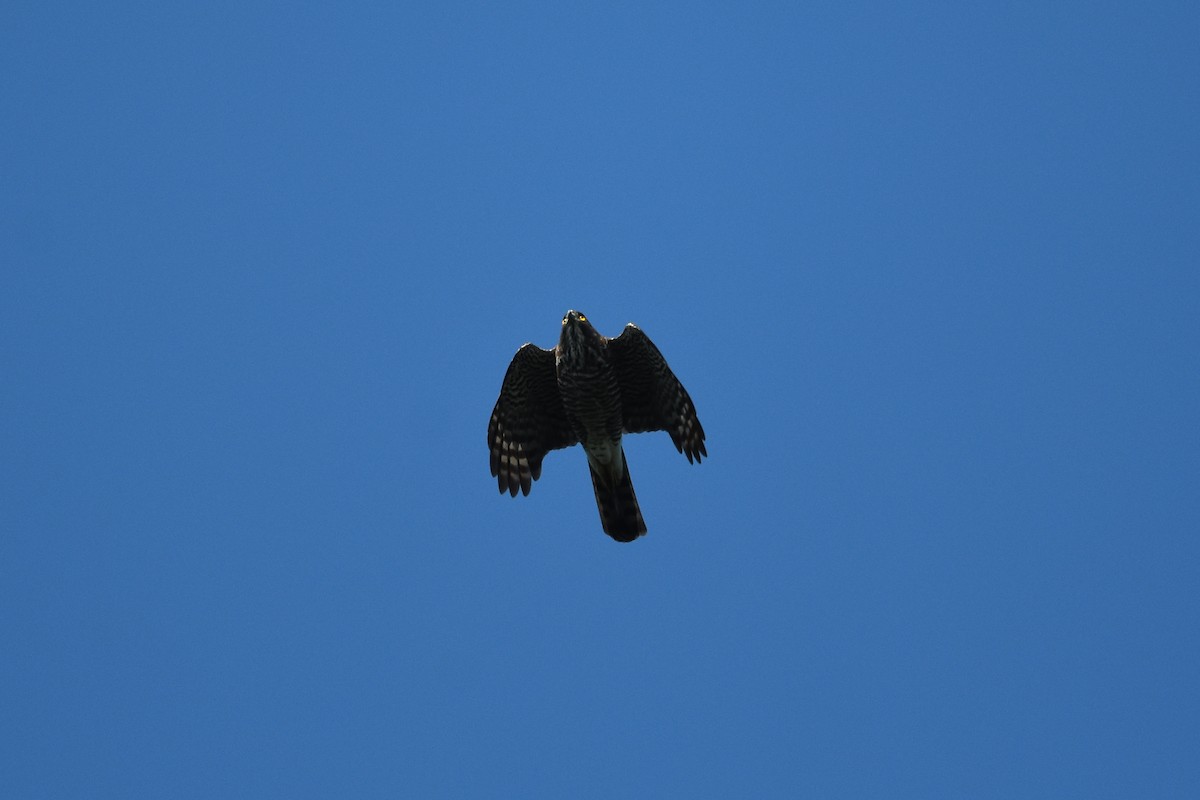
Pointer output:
930, 275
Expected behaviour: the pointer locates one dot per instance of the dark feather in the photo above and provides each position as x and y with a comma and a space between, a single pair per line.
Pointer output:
652, 398
528, 420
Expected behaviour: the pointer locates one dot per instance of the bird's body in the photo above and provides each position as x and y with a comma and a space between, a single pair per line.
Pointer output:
589, 390
591, 397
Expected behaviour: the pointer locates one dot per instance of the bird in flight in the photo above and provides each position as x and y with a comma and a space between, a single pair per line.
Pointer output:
589, 390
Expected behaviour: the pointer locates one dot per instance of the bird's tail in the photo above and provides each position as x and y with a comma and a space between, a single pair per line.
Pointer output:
619, 511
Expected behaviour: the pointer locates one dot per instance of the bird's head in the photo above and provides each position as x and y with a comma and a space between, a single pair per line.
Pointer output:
574, 316
577, 332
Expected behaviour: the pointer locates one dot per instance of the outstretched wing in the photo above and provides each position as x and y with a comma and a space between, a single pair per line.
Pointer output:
652, 398
528, 420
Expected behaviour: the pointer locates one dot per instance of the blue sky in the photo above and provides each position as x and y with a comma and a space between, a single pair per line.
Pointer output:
929, 273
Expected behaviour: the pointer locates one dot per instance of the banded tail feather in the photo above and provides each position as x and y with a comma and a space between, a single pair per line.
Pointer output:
620, 515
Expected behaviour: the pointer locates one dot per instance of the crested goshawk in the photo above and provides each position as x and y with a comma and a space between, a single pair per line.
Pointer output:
589, 390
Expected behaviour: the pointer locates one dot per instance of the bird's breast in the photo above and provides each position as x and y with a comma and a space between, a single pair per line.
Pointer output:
592, 401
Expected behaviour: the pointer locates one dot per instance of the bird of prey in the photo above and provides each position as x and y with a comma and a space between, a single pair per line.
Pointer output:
589, 390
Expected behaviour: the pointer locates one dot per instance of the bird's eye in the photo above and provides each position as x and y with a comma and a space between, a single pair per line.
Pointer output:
582, 318
564, 320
